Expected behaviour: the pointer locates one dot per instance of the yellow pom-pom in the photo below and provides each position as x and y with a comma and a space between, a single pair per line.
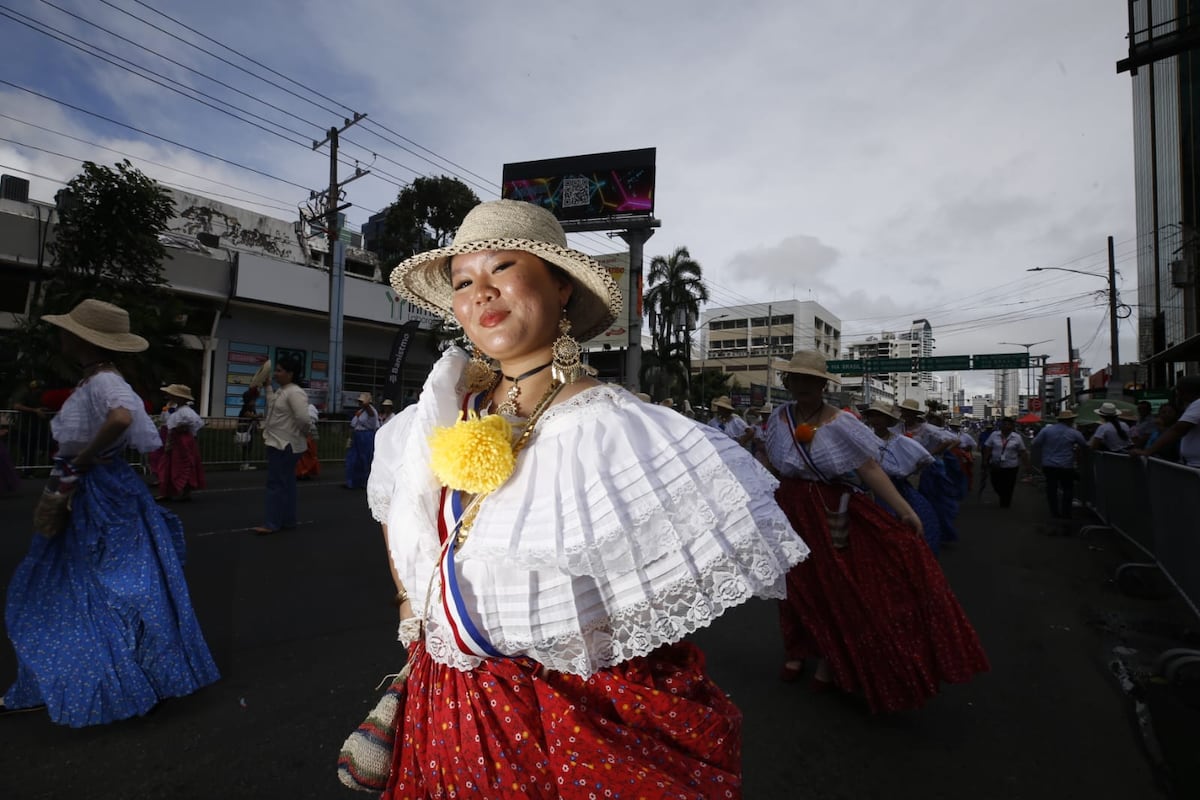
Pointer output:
474, 455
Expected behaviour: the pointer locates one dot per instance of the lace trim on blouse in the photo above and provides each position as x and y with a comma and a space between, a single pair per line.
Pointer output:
625, 527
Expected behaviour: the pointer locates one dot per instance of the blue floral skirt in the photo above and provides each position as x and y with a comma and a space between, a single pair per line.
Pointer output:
100, 616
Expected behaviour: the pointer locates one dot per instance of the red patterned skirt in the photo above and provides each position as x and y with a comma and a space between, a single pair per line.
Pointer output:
180, 468
652, 727
879, 610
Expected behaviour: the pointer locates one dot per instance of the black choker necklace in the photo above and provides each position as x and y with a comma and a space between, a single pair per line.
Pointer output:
509, 406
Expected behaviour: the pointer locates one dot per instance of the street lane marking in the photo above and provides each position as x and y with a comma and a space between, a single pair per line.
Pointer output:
252, 527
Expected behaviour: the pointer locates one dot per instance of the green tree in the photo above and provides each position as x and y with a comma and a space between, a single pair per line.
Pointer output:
106, 246
709, 384
426, 214
676, 292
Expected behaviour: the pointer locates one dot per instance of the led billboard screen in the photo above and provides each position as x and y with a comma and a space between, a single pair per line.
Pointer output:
586, 187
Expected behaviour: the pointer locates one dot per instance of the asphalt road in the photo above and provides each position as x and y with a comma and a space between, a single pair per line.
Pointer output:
302, 629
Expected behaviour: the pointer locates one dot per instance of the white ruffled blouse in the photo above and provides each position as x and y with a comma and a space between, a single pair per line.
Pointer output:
185, 417
624, 527
838, 447
87, 408
901, 456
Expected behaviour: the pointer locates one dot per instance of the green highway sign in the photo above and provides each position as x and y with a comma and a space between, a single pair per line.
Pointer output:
889, 364
880, 366
1001, 361
846, 366
942, 363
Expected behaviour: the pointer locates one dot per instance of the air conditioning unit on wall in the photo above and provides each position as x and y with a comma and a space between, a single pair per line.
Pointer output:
1181, 273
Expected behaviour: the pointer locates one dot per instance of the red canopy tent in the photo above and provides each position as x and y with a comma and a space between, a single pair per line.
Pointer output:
1029, 419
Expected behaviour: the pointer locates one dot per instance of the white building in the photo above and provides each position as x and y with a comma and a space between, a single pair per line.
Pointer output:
251, 286
746, 340
916, 342
1007, 391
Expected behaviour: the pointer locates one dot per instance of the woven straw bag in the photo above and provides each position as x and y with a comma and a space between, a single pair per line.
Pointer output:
365, 759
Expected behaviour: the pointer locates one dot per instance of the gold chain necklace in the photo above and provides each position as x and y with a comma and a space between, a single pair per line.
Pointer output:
472, 509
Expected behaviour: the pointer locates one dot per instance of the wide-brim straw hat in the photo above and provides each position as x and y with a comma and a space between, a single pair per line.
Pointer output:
262, 374
807, 362
909, 404
387, 403
1066, 415
101, 324
881, 407
723, 402
365, 397
178, 390
1108, 410
645, 398
595, 302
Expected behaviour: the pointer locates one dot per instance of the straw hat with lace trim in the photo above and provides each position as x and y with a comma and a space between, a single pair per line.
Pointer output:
595, 302
178, 390
807, 362
101, 324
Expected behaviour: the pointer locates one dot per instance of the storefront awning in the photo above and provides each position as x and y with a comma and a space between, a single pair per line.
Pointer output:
1187, 350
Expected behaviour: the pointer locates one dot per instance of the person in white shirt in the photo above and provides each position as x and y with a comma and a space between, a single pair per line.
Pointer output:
309, 465
386, 411
728, 422
180, 469
285, 433
1186, 429
363, 425
1004, 455
1113, 435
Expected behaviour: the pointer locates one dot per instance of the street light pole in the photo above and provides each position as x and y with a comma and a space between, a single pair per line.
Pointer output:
1028, 362
1113, 388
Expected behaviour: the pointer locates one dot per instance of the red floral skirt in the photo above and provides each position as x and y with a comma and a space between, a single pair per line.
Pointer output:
879, 610
180, 468
652, 727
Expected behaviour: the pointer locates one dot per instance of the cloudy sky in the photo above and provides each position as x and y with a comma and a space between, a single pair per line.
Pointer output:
891, 160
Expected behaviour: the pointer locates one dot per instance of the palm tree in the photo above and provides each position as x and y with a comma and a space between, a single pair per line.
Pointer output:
673, 303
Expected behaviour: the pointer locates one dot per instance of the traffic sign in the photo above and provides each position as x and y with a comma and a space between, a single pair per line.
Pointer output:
1001, 361
876, 365
945, 363
845, 366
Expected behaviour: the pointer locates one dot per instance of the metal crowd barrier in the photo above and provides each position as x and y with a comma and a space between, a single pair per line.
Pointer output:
1155, 505
29, 443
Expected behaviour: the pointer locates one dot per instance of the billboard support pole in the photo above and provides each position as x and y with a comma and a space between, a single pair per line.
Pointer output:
636, 239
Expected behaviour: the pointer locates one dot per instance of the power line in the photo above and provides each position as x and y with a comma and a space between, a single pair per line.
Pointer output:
192, 70
203, 192
151, 135
4, 12
142, 159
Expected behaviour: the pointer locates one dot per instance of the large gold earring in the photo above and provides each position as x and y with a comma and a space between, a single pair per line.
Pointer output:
566, 367
480, 377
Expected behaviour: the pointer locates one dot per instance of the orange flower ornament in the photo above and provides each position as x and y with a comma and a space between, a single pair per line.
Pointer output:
804, 433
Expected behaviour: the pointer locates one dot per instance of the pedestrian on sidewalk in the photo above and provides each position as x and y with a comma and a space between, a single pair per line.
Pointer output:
554, 549
1003, 456
386, 411
285, 435
363, 425
180, 468
98, 611
1056, 448
870, 603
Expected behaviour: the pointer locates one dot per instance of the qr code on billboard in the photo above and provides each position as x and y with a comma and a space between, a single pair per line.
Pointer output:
575, 192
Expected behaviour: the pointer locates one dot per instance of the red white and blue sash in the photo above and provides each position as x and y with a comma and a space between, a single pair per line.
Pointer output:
467, 635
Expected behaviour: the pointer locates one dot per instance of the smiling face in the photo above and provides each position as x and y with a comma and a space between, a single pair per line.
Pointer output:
508, 302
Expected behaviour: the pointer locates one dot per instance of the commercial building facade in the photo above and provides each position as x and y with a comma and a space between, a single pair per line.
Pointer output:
1164, 69
251, 286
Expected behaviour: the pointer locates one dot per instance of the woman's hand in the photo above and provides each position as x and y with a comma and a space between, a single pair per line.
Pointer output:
911, 519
